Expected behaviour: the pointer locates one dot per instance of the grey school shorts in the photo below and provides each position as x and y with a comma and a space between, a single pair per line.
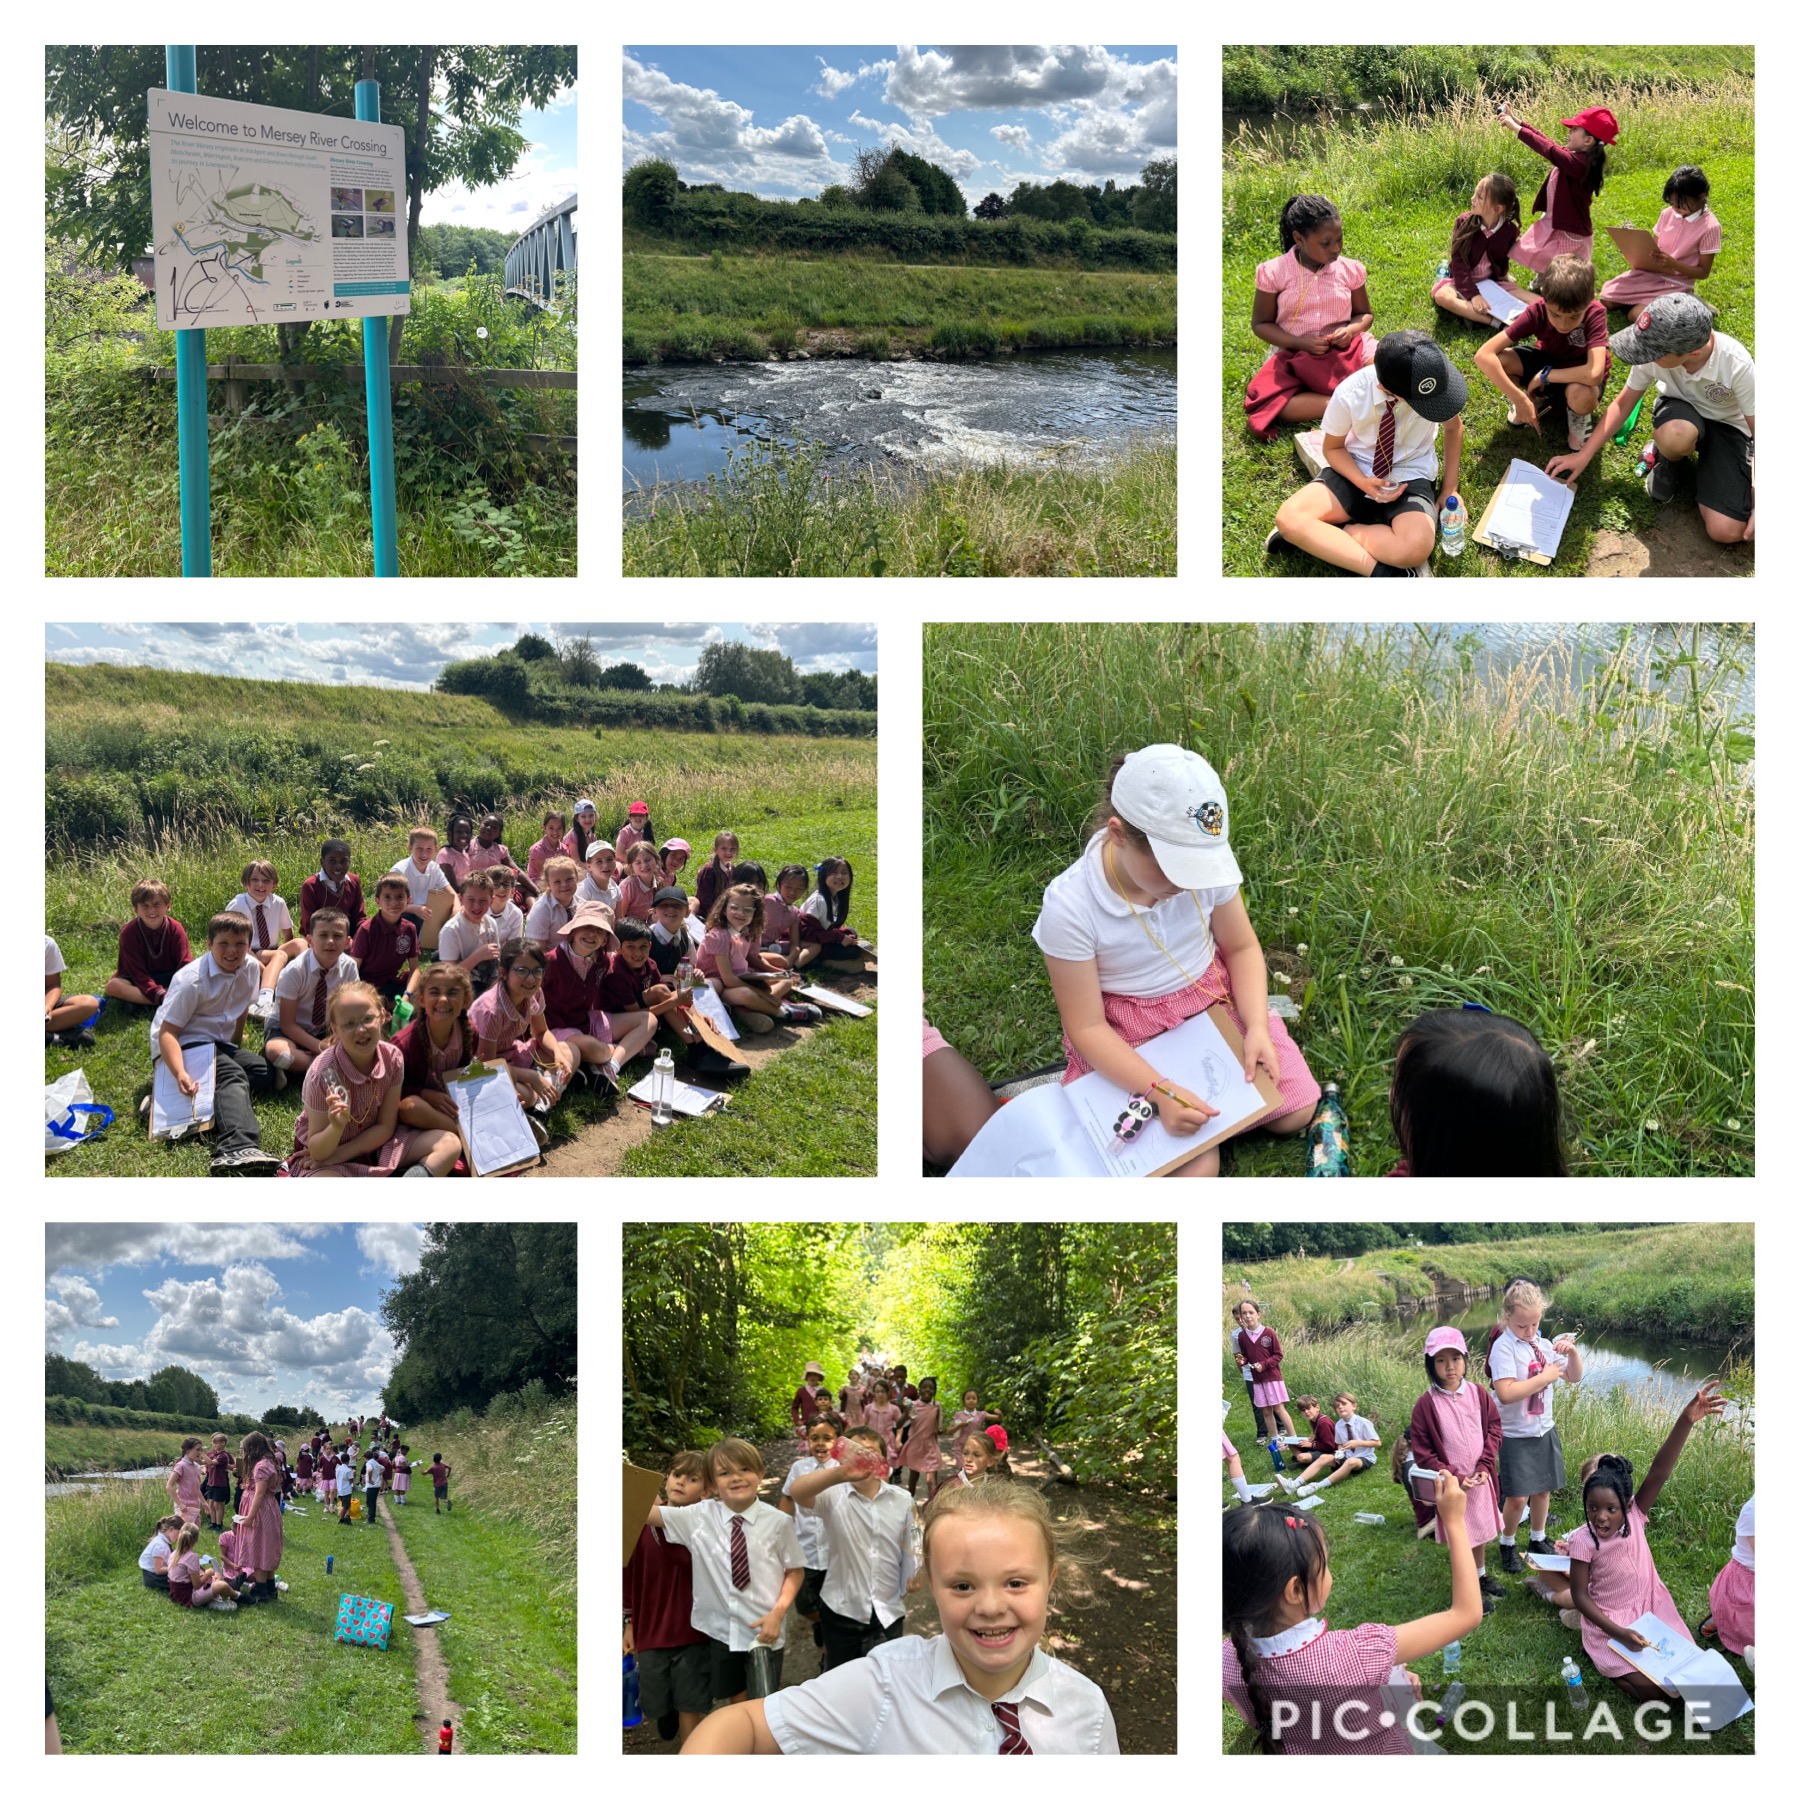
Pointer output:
678, 1680
1420, 496
1531, 1465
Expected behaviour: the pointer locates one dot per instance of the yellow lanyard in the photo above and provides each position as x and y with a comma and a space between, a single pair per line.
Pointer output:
1112, 875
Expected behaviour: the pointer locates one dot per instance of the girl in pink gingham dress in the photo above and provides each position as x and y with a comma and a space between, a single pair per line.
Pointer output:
1147, 929
882, 1415
971, 1416
1456, 1426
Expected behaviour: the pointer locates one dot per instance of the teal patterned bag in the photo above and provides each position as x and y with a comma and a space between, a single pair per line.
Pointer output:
361, 1620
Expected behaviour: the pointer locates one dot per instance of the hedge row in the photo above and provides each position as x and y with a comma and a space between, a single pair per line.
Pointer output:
61, 1409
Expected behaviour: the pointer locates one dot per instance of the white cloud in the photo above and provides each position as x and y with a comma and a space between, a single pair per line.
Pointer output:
81, 1304
392, 1246
537, 183
921, 139
831, 82
95, 1247
998, 77
1015, 137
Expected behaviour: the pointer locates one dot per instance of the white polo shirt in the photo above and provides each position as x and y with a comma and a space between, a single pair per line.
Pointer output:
1518, 1359
298, 981
53, 959
726, 1614
807, 1525
203, 1004
1354, 412
276, 917
608, 896
1723, 388
910, 1698
546, 915
462, 936
873, 1550
423, 883
1084, 918
509, 923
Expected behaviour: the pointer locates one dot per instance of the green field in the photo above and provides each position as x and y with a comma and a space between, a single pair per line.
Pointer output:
1412, 836
190, 763
1399, 178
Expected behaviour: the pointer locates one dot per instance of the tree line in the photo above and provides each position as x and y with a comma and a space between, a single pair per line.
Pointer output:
449, 250
1260, 1243
173, 1399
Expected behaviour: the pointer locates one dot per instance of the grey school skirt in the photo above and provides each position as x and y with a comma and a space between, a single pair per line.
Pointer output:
1531, 1465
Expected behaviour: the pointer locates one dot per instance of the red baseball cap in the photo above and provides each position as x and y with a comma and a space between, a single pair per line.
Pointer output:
1598, 122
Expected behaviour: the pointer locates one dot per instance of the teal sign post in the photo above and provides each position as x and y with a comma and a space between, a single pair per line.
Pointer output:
264, 216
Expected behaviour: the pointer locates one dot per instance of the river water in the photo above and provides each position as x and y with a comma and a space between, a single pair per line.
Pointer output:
85, 1484
682, 422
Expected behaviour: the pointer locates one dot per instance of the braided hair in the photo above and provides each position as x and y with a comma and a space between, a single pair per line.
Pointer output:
1266, 1547
1614, 1474
1302, 216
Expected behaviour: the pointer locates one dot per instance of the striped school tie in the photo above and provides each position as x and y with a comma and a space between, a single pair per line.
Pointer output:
1384, 444
1012, 1739
262, 927
318, 1010
740, 1556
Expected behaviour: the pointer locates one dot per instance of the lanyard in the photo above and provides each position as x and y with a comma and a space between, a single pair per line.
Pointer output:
1112, 876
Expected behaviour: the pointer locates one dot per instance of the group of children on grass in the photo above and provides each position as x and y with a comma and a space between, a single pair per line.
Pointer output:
1374, 507
1492, 1457
563, 977
200, 1486
717, 1570
1148, 927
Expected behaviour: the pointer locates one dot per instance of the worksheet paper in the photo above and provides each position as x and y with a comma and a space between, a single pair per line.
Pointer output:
1703, 1678
833, 1001
493, 1123
1504, 306
685, 1097
1054, 1130
1531, 508
171, 1111
706, 1000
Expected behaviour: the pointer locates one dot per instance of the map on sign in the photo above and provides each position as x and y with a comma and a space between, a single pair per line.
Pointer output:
265, 216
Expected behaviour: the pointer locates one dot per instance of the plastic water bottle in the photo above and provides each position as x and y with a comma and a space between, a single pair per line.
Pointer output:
1443, 268
328, 1562
1328, 1136
1453, 1656
1571, 1674
1275, 1453
1451, 523
1370, 1518
1453, 1698
1646, 461
403, 1012
634, 1713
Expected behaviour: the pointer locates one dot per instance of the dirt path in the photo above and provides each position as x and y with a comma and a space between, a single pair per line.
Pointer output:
1676, 544
600, 1149
435, 1704
1125, 1640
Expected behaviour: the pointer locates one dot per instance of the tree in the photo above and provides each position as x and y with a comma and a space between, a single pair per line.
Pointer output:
501, 678
76, 1379
625, 675
533, 648
1066, 201
1153, 205
179, 1390
990, 206
650, 189
458, 105
937, 190
836, 195
848, 689
765, 675
580, 666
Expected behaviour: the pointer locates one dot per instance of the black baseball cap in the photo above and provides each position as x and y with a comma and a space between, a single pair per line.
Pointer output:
669, 896
1410, 364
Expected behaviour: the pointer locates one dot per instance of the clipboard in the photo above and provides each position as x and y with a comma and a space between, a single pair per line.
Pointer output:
1511, 551
714, 1039
491, 1122
1637, 246
173, 1116
641, 1490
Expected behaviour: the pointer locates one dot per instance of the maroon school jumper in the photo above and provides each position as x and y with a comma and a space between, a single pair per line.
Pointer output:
622, 987
1428, 1445
570, 998
709, 883
1566, 350
379, 949
659, 1593
149, 963
1490, 258
413, 1041
1263, 1348
315, 896
1571, 212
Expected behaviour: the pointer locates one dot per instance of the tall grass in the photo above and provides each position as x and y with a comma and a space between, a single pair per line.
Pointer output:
92, 1536
79, 1449
1580, 857
1699, 1282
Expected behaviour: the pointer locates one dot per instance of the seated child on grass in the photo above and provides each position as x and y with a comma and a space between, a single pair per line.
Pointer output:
153, 1560
1569, 363
67, 1021
781, 920
191, 1585
637, 828
751, 874
508, 916
732, 929
1356, 1441
349, 1123
1688, 235
547, 846
334, 885
716, 874
459, 839
600, 884
1373, 510
511, 1027
636, 998
304, 991
1732, 1596
551, 910
1480, 243
430, 898
638, 886
674, 856
152, 946
582, 832
471, 939
573, 975
825, 913
271, 925
385, 948
1323, 1448
487, 852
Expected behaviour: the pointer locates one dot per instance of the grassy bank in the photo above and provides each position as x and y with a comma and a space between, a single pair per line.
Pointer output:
781, 512
1399, 181
1382, 1573
1411, 836
78, 1449
693, 309
1697, 1281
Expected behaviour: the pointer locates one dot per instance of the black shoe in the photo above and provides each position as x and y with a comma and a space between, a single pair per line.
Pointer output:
1661, 482
668, 1725
1387, 570
1540, 1547
1275, 543
1487, 1605
1490, 1586
1510, 1560
247, 1161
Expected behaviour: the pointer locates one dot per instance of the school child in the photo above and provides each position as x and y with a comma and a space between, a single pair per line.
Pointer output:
971, 1416
1262, 1418
153, 1559
510, 1026
271, 925
470, 939
551, 909
752, 875
1706, 409
674, 1659
1480, 245
821, 1434
259, 1535
809, 1400
303, 1469
1526, 1370
600, 883
440, 1483
1732, 1596
1312, 306
372, 1472
1355, 1441
349, 1122
303, 992
430, 898
233, 1573
1473, 1093
1277, 1581
1374, 508
436, 1043
1148, 928
333, 885
189, 1584
453, 859
345, 1474
1612, 1573
919, 1453
851, 1399
716, 874
1401, 1465
573, 975
636, 830
509, 919
642, 880
781, 920
674, 937
207, 1003
825, 913
1234, 1465
549, 845
1688, 236
1261, 1349
1322, 1451
871, 1548
883, 1416
402, 1475
732, 928
152, 946
634, 997
982, 1687
488, 852
1570, 362
215, 1486
582, 833
67, 1022
1577, 172
385, 948
1456, 1426
674, 856
747, 1566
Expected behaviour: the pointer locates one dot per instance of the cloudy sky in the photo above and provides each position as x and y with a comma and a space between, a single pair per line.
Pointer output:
411, 655
546, 175
785, 121
271, 1315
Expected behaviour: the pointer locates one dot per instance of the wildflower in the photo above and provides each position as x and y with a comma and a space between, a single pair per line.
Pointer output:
1482, 970
1395, 962
481, 331
1283, 979
1301, 949
1368, 969
1734, 1124
1653, 1124
1406, 981
1293, 912
1448, 970
381, 743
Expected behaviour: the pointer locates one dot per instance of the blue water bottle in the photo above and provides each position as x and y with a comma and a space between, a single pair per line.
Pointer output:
1453, 1656
328, 1562
634, 1713
1328, 1136
1275, 1453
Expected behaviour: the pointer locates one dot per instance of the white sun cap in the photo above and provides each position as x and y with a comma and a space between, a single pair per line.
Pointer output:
1175, 799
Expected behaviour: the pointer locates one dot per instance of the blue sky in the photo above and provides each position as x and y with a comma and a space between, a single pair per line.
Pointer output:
412, 654
545, 176
270, 1315
784, 121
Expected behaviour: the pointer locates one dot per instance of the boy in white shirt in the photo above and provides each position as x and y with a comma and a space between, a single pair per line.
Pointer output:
304, 988
1373, 509
747, 1565
271, 929
821, 1434
432, 899
471, 939
509, 921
